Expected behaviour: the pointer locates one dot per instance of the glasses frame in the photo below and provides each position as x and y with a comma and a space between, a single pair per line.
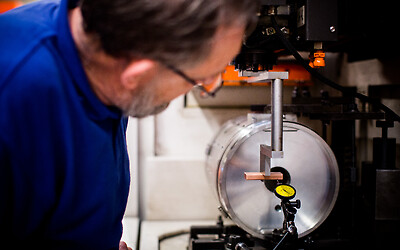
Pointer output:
195, 83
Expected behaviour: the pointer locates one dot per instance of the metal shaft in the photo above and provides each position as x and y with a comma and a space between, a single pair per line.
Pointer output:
277, 115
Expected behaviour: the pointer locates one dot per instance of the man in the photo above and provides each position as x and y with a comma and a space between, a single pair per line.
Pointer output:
71, 73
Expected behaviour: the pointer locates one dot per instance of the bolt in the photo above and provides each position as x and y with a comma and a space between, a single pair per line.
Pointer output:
269, 31
285, 30
332, 29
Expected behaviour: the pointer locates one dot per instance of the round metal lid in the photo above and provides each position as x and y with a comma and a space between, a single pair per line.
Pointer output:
312, 169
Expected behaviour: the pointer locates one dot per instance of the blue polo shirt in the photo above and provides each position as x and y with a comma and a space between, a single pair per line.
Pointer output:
64, 172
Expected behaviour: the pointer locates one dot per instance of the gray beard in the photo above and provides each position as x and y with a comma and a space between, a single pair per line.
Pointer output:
142, 105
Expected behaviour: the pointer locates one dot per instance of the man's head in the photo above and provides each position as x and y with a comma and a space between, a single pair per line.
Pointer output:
197, 37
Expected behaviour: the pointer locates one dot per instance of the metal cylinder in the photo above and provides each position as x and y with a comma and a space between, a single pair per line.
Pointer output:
277, 114
309, 165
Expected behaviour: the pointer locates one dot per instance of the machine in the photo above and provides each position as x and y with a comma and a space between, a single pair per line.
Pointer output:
280, 182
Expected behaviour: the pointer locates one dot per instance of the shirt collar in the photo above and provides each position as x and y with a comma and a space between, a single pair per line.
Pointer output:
69, 53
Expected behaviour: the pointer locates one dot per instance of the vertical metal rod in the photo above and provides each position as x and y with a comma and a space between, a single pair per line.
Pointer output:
277, 115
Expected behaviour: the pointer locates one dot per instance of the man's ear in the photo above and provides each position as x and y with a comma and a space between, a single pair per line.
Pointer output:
137, 71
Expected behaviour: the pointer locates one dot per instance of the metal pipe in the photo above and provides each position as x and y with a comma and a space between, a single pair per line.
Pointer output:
277, 115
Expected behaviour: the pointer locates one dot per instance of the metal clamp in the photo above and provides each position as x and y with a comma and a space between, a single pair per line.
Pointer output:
267, 153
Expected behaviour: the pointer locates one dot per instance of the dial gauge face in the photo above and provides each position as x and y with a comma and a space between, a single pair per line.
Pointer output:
285, 191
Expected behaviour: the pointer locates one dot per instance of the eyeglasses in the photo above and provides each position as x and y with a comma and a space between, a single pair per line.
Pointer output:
208, 86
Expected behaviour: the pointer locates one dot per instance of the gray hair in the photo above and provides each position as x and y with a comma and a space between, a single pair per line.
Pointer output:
170, 31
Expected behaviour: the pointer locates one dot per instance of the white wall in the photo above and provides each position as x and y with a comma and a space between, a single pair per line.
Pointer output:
132, 209
172, 179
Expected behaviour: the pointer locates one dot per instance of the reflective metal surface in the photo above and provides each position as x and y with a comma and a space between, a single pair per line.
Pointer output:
310, 164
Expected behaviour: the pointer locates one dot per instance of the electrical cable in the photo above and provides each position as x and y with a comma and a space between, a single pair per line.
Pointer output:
390, 115
279, 245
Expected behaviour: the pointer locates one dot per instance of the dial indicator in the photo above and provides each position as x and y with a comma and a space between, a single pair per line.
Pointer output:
285, 191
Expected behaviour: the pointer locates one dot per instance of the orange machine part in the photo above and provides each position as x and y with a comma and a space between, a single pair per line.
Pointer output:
8, 5
298, 76
317, 59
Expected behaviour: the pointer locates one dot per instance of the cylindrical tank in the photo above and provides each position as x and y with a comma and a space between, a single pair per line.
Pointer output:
308, 164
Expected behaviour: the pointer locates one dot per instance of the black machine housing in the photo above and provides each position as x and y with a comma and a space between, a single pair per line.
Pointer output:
362, 29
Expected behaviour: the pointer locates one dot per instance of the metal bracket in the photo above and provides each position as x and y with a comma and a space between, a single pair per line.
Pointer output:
268, 75
268, 153
266, 156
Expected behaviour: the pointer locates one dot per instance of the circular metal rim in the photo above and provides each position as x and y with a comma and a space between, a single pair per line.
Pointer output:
233, 145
